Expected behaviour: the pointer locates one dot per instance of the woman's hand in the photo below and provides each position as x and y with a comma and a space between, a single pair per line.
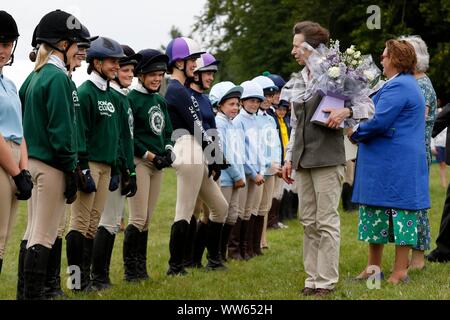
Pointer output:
239, 184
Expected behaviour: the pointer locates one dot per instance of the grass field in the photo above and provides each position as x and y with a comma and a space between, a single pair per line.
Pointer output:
276, 275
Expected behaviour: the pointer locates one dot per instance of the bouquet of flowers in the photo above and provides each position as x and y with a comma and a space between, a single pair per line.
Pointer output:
339, 77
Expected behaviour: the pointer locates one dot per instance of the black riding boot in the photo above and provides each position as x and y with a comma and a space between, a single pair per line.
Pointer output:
226, 231
53, 278
213, 236
178, 238
199, 244
141, 265
74, 251
130, 245
35, 268
100, 252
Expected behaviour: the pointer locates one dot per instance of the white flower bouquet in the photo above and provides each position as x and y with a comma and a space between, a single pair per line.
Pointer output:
339, 77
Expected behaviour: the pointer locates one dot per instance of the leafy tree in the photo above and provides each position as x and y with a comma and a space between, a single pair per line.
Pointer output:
251, 36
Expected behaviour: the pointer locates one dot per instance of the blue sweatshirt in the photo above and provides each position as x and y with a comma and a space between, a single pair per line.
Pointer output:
184, 112
10, 111
206, 110
233, 147
269, 141
249, 129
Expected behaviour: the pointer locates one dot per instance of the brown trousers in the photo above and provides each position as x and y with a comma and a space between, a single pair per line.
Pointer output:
249, 199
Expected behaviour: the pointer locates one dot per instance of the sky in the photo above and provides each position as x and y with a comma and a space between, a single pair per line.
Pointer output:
138, 23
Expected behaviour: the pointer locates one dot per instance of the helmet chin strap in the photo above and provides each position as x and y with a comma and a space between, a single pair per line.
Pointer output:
64, 52
11, 59
102, 74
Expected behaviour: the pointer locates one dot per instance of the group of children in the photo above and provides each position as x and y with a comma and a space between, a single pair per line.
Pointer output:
94, 146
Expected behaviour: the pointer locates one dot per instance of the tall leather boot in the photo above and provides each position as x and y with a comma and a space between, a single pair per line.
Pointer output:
249, 236
86, 264
346, 197
35, 268
213, 236
1, 265
99, 279
234, 248
74, 251
243, 243
178, 238
199, 244
189, 246
141, 264
21, 270
108, 258
226, 231
258, 226
130, 244
53, 278
272, 219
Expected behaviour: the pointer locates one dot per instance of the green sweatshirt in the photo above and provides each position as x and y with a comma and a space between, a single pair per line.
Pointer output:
152, 126
98, 125
126, 148
49, 118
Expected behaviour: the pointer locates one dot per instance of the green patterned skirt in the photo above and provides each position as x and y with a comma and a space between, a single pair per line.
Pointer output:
382, 225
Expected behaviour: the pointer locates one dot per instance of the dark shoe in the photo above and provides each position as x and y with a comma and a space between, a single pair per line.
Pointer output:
226, 231
53, 278
188, 259
35, 270
21, 271
74, 251
258, 227
141, 266
130, 245
1, 265
213, 236
234, 251
100, 253
323, 292
199, 245
308, 291
178, 237
436, 256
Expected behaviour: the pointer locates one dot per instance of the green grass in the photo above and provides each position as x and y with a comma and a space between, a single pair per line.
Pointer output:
276, 275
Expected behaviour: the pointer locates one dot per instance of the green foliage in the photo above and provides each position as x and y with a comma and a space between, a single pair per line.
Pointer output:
256, 35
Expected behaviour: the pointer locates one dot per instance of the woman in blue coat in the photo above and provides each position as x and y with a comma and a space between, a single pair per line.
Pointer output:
391, 182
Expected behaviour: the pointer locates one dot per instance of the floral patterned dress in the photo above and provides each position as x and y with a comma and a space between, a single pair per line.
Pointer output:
423, 224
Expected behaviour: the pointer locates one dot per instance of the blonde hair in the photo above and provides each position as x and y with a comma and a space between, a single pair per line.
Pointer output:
43, 55
421, 49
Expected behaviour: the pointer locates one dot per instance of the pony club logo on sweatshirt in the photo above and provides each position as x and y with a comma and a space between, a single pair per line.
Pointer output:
156, 119
106, 108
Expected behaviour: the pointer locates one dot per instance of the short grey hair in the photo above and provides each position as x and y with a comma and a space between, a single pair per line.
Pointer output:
423, 58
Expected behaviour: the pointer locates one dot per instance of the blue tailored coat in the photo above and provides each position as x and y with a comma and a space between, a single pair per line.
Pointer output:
391, 167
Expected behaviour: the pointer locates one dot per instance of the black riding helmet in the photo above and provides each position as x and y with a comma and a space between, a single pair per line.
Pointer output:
131, 58
57, 26
8, 32
151, 61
